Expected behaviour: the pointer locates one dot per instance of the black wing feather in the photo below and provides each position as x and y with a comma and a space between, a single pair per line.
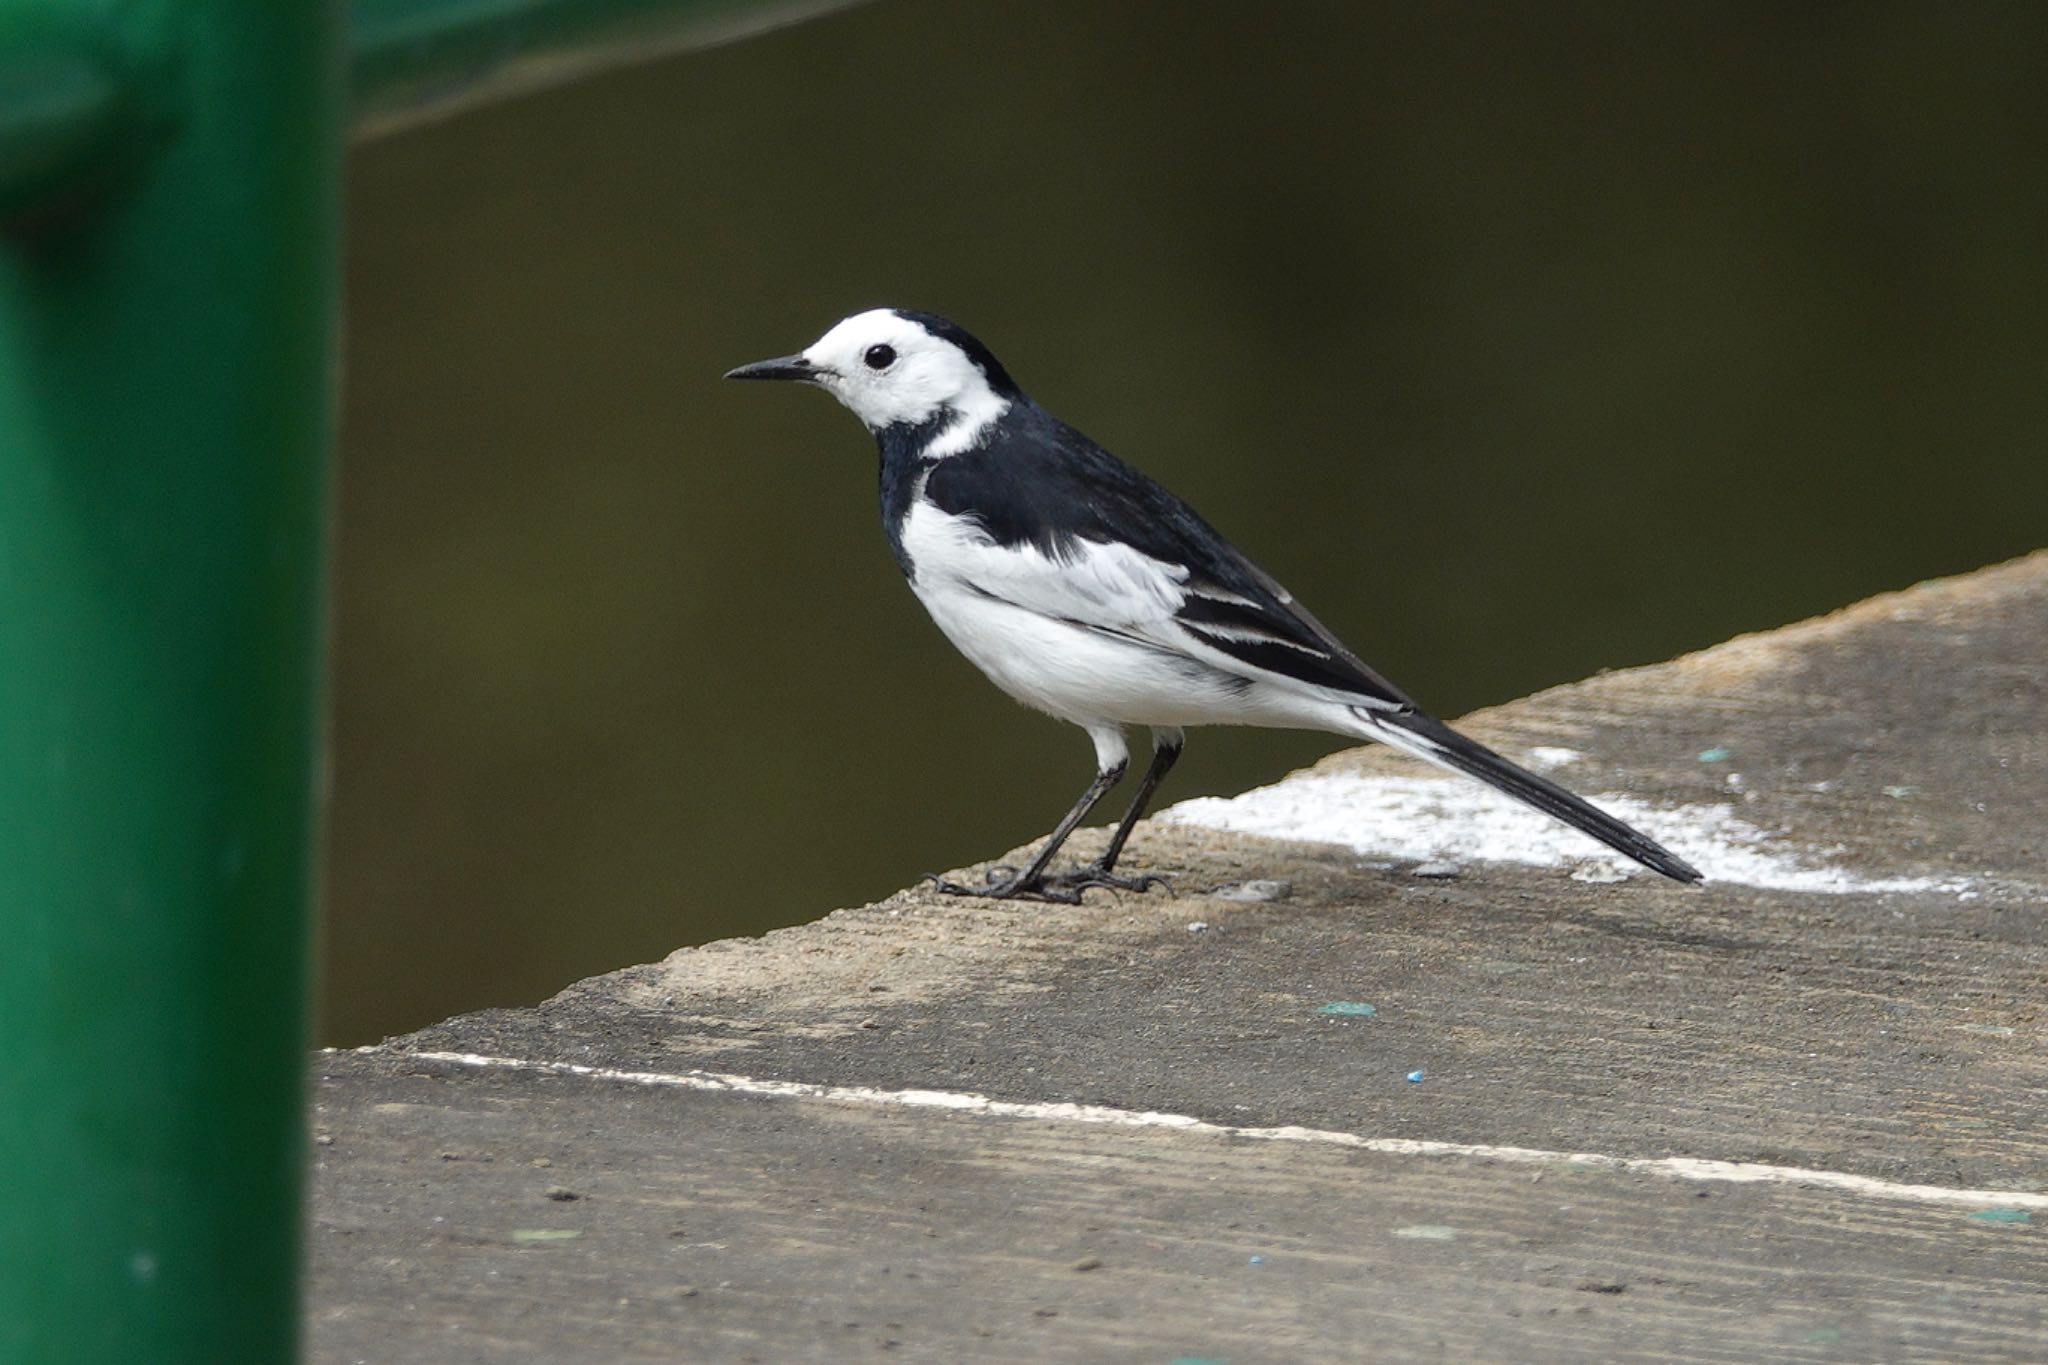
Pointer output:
1045, 484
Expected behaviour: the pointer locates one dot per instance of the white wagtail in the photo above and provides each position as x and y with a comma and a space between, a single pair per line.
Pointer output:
1085, 590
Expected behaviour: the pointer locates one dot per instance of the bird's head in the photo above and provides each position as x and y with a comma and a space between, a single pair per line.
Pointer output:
896, 368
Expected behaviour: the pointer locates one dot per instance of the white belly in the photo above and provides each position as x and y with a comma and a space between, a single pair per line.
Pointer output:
1086, 637
1086, 676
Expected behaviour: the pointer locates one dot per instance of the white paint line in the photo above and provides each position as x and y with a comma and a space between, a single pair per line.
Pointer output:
1674, 1167
1433, 819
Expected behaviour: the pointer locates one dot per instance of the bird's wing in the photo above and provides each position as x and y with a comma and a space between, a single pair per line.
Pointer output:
1062, 528
1258, 624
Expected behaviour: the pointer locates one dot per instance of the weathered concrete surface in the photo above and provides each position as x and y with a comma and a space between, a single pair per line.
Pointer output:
1899, 1037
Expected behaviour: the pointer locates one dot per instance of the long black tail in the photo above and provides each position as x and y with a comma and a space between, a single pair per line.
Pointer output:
1427, 737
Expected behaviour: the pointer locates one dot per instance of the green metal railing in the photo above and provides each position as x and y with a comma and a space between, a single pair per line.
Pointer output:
169, 201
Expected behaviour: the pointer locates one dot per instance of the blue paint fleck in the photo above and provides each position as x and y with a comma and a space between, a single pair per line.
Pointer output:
1415, 1076
1256, 1260
2001, 1216
1715, 754
1199, 1360
1356, 1008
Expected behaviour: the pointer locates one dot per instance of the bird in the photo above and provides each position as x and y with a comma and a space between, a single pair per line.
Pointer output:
1089, 592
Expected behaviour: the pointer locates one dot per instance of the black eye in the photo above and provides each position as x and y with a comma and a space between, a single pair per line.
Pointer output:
880, 357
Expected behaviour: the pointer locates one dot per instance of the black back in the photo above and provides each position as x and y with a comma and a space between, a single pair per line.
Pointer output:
1037, 481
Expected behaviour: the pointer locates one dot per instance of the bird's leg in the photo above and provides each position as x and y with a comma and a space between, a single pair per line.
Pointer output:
1166, 747
1032, 880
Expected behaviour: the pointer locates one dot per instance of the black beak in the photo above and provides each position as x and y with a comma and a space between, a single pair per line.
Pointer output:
782, 367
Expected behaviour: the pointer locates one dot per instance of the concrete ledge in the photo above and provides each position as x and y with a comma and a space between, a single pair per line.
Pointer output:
1794, 1117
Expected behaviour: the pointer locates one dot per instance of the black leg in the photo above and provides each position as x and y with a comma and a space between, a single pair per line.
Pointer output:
1032, 881
1165, 752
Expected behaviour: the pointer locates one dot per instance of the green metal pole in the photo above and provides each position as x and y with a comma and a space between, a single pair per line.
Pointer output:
166, 366
169, 176
413, 60
68, 95
62, 107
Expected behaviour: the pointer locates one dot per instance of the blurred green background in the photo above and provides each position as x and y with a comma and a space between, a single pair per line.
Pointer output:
1519, 340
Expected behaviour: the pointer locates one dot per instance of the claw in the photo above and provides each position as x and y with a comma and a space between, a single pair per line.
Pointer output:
1082, 877
992, 889
1007, 883
1013, 887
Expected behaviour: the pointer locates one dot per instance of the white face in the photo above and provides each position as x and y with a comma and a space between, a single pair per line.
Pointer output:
888, 369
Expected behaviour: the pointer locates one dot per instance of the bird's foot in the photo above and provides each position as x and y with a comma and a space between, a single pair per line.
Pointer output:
1007, 883
1094, 874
